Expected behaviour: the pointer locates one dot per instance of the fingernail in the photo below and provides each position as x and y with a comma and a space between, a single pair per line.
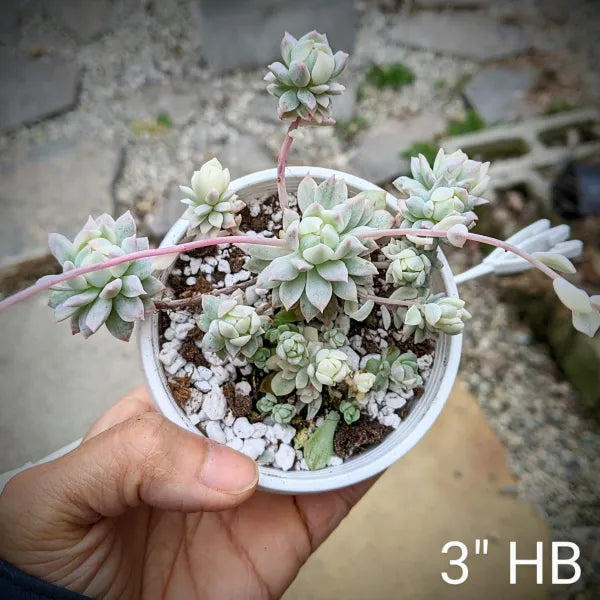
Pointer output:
229, 471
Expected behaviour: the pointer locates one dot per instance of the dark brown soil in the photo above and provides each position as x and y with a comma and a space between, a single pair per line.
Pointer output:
237, 258
181, 390
240, 405
350, 439
261, 221
192, 353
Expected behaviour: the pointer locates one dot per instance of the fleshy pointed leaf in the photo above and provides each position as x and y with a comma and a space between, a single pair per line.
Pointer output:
60, 246
129, 309
572, 297
120, 329
555, 261
290, 291
333, 270
98, 313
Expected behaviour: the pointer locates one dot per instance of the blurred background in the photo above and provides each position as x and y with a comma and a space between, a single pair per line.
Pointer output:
108, 105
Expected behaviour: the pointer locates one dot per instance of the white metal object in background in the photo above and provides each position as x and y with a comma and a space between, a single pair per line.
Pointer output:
537, 237
357, 468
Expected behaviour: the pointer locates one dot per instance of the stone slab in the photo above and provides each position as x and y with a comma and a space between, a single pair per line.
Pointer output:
54, 385
254, 29
500, 93
377, 156
53, 188
447, 488
34, 89
344, 106
87, 20
469, 35
243, 154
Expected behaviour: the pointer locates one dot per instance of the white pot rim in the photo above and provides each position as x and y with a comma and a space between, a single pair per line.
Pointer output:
367, 464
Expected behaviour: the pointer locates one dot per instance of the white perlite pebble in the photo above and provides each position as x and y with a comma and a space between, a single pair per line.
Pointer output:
169, 333
285, 433
210, 260
253, 448
335, 461
229, 419
223, 266
214, 432
194, 418
268, 456
215, 404
220, 374
392, 420
243, 388
353, 357
243, 428
425, 361
284, 458
236, 444
394, 400
195, 264
179, 317
175, 366
213, 359
190, 281
203, 386
229, 435
203, 373
167, 356
182, 329
260, 429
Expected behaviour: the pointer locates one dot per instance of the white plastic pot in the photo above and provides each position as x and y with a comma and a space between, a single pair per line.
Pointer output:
422, 415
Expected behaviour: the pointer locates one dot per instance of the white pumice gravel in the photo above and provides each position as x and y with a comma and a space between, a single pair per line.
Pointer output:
214, 432
285, 457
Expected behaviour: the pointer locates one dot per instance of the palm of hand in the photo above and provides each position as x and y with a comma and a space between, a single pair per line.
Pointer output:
59, 523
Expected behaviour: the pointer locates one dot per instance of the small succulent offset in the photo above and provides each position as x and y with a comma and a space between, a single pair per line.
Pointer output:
404, 373
283, 413
230, 326
304, 84
116, 297
451, 187
292, 347
323, 260
362, 382
266, 403
396, 370
335, 338
431, 315
350, 411
410, 265
211, 207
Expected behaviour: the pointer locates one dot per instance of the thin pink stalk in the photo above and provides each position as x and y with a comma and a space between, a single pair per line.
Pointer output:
51, 280
474, 237
281, 162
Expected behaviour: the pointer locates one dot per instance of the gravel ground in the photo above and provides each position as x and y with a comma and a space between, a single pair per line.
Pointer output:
552, 440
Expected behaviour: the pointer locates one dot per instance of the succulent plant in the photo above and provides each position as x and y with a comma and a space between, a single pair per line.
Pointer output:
117, 296
335, 338
304, 81
274, 333
211, 207
260, 357
324, 259
585, 309
404, 372
381, 367
292, 348
283, 413
319, 447
266, 403
362, 382
330, 366
350, 411
410, 265
429, 315
230, 326
452, 187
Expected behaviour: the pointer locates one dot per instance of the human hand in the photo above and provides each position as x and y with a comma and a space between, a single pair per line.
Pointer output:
145, 509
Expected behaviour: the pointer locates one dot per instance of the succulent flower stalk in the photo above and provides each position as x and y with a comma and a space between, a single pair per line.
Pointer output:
117, 296
211, 207
304, 81
230, 326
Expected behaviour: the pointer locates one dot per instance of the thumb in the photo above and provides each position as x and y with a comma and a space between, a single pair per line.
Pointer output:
145, 460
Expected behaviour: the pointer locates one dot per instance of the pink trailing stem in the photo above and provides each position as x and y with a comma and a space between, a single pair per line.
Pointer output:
474, 237
50, 280
281, 161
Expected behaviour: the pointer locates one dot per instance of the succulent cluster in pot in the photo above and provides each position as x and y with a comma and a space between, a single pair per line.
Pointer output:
338, 257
